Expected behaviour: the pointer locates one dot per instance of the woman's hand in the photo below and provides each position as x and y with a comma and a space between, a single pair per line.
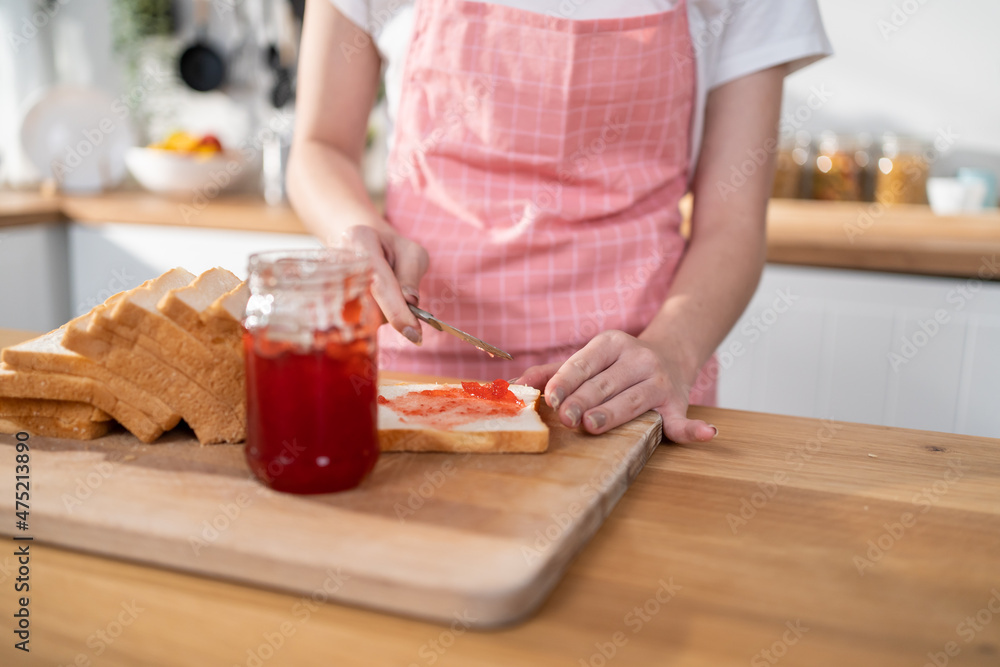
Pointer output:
398, 264
615, 378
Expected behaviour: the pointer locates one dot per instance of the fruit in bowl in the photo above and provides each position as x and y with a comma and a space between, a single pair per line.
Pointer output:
186, 164
185, 142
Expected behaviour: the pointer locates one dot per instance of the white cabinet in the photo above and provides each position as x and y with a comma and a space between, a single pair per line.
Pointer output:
896, 350
34, 275
109, 258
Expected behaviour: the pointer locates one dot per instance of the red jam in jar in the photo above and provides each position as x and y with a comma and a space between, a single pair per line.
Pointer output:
309, 347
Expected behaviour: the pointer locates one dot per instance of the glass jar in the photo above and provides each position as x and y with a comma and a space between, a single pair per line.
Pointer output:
790, 171
902, 171
865, 158
836, 174
309, 346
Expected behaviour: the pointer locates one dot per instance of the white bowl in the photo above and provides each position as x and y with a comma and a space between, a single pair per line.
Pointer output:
197, 174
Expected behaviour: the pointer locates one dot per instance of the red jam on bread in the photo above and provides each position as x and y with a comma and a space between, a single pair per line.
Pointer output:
449, 407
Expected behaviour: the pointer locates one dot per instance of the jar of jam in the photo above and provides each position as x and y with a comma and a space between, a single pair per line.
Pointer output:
790, 166
309, 344
902, 172
836, 173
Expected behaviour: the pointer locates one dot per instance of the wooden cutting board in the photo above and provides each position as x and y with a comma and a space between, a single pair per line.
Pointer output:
477, 540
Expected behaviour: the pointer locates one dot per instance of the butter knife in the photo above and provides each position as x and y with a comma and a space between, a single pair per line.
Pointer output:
458, 333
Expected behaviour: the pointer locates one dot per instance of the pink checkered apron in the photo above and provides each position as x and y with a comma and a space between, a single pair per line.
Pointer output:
540, 161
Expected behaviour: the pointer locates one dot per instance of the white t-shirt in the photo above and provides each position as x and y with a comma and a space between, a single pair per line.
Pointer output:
732, 38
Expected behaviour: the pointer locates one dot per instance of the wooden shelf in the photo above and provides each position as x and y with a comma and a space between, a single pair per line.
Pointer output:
904, 239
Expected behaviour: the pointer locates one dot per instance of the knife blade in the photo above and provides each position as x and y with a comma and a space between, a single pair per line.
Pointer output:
458, 333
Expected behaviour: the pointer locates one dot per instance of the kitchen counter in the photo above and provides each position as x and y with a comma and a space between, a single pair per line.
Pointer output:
905, 239
813, 543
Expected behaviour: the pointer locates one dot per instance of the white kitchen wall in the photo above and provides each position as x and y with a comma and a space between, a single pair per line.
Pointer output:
911, 66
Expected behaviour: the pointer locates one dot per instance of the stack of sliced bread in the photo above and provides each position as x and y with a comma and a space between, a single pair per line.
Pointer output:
167, 350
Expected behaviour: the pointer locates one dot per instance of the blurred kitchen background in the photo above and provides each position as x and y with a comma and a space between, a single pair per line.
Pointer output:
899, 131
905, 74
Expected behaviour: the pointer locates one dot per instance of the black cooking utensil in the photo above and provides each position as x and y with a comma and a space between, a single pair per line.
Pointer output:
284, 86
201, 66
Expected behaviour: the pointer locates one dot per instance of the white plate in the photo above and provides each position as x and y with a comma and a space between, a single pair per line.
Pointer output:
78, 136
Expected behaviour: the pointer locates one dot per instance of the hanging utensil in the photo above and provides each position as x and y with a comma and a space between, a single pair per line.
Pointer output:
201, 66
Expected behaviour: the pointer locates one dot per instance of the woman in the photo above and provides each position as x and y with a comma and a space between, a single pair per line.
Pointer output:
539, 152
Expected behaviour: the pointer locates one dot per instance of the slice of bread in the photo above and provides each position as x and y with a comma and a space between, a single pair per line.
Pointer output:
189, 307
46, 353
523, 432
36, 385
73, 411
55, 428
135, 316
224, 318
212, 420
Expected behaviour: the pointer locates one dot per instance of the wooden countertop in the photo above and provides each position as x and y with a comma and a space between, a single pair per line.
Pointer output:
813, 543
906, 239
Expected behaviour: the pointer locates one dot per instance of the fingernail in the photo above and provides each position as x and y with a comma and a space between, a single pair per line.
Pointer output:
513, 380
714, 428
557, 398
574, 416
595, 420
412, 335
411, 295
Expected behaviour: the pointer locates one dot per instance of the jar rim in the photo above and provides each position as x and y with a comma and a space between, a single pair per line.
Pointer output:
308, 265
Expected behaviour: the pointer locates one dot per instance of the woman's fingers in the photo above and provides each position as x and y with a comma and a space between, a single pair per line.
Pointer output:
410, 265
597, 355
624, 407
602, 388
636, 400
385, 286
684, 431
537, 376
